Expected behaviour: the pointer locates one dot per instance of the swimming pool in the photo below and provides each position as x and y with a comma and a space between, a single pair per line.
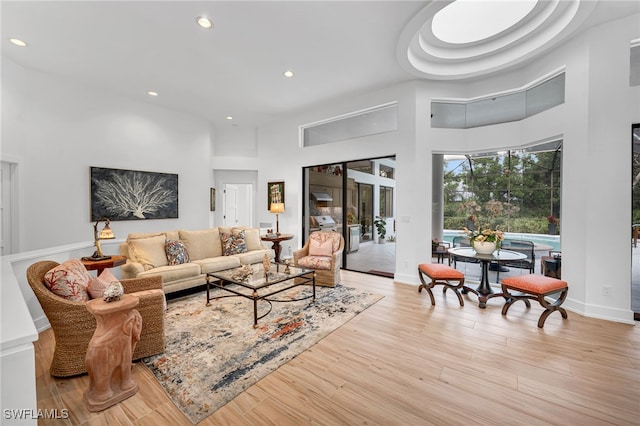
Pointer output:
550, 240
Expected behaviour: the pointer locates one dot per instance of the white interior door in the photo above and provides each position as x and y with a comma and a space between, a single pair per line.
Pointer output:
238, 204
230, 203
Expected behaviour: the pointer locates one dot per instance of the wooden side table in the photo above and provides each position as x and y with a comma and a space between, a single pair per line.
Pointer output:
101, 265
276, 240
110, 351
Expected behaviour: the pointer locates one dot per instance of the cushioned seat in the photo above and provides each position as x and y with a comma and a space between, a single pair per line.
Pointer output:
536, 287
254, 256
173, 272
73, 325
322, 252
214, 264
440, 274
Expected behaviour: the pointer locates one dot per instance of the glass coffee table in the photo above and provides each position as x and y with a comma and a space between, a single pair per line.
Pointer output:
261, 286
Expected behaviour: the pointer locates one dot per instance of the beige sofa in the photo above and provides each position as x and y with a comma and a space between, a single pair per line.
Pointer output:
146, 255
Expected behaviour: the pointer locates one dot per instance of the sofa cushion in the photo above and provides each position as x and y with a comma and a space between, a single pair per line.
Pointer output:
98, 284
315, 262
150, 252
69, 280
233, 243
141, 235
252, 239
177, 252
320, 248
219, 263
174, 272
202, 244
254, 256
227, 229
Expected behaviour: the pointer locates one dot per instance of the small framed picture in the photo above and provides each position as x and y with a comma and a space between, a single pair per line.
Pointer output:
275, 193
212, 199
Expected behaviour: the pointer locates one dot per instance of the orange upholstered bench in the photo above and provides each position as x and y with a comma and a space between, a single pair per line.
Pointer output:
440, 274
535, 287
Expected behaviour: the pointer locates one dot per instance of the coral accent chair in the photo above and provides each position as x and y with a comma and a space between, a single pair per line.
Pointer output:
73, 325
323, 253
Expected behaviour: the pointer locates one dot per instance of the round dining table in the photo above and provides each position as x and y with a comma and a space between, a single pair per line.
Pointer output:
484, 290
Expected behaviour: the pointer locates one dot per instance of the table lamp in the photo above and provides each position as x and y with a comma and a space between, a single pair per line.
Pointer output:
105, 234
277, 208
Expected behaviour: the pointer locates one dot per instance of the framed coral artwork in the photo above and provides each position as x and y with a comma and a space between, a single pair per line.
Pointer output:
133, 195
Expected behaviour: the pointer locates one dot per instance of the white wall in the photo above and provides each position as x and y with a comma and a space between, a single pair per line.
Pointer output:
55, 130
594, 122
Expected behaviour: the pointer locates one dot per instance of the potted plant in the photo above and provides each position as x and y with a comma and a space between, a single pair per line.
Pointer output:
381, 227
553, 224
485, 240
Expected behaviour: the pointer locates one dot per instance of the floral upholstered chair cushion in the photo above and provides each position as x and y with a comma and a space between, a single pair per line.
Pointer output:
322, 245
315, 262
323, 237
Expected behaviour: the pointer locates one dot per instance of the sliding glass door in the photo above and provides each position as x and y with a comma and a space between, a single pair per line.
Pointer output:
348, 198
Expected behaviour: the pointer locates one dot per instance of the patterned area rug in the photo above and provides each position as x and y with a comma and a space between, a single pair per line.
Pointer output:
214, 353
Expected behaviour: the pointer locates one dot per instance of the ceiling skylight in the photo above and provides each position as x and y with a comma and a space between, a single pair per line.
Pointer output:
468, 21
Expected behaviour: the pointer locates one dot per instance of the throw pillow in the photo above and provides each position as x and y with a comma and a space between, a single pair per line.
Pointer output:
252, 238
233, 244
69, 280
177, 252
149, 252
98, 284
202, 244
320, 248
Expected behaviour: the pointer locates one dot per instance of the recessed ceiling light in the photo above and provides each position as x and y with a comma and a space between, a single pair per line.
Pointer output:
229, 117
152, 93
288, 73
204, 22
18, 42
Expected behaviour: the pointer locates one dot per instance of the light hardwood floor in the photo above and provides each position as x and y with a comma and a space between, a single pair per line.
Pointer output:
404, 362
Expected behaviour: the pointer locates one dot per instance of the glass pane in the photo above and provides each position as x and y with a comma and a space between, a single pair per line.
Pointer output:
545, 95
374, 121
500, 109
448, 115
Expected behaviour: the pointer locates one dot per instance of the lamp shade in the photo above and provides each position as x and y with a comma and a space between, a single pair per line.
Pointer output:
106, 233
277, 208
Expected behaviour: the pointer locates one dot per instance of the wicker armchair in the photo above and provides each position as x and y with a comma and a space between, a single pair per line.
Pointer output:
327, 271
73, 325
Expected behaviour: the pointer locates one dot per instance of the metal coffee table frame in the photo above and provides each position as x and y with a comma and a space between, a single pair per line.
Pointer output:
259, 281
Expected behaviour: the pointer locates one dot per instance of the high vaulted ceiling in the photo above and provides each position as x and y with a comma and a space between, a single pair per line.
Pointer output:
335, 48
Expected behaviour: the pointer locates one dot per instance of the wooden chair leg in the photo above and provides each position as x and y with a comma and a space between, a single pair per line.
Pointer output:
427, 287
434, 282
510, 299
552, 307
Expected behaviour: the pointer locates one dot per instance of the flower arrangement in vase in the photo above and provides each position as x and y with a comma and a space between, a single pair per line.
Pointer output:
484, 240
